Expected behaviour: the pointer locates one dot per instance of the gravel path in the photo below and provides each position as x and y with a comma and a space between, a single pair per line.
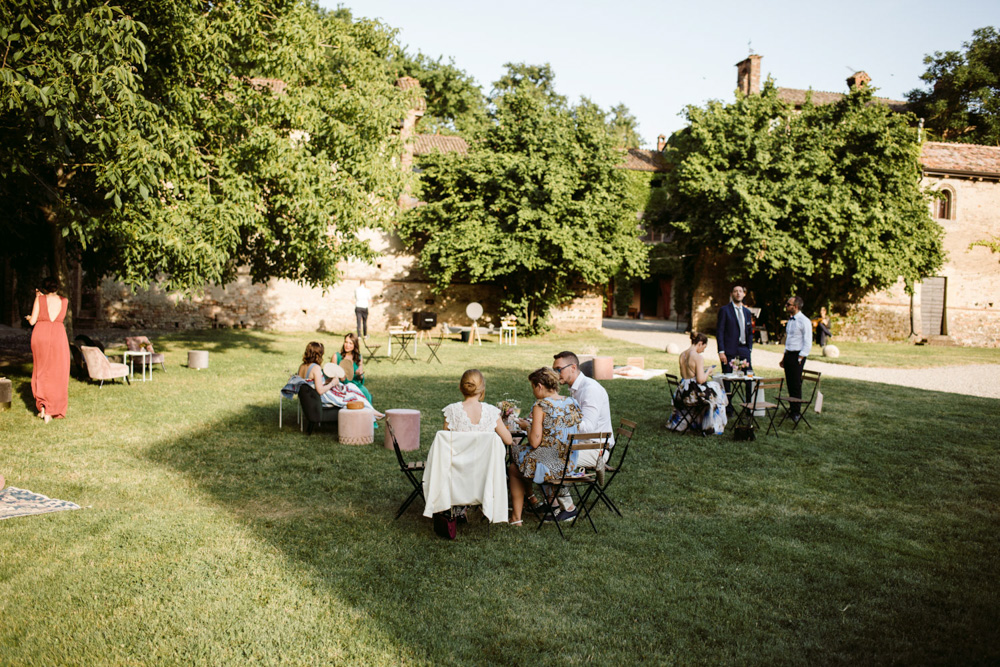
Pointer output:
973, 380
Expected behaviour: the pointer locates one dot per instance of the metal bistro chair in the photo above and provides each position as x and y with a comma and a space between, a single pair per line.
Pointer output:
748, 408
434, 346
803, 403
371, 351
623, 437
577, 442
410, 471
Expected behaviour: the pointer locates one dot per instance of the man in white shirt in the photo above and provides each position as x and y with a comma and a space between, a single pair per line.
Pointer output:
593, 400
362, 297
798, 344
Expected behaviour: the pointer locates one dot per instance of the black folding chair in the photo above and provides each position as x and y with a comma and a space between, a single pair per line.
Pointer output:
623, 437
434, 346
573, 481
688, 413
748, 408
803, 403
410, 471
371, 351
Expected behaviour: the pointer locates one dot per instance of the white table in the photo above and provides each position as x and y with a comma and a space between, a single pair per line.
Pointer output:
508, 334
466, 469
128, 356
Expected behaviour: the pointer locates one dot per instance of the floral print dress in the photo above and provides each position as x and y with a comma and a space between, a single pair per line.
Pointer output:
562, 415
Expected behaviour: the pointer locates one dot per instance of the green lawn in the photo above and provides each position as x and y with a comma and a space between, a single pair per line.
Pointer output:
211, 537
906, 355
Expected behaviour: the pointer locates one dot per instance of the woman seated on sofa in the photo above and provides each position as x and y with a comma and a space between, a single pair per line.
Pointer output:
696, 389
328, 385
349, 358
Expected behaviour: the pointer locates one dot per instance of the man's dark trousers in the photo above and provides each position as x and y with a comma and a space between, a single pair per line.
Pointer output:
362, 316
793, 378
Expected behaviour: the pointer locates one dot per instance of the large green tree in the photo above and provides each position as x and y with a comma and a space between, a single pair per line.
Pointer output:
455, 102
825, 203
157, 138
963, 101
539, 206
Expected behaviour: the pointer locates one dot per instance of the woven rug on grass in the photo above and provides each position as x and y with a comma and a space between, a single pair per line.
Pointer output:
19, 502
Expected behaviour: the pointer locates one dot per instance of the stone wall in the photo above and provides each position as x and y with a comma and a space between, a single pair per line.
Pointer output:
973, 298
398, 289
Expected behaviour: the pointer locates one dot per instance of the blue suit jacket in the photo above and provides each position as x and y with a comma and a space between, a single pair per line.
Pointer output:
727, 332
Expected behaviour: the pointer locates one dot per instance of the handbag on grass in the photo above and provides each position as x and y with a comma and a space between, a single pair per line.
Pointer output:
746, 433
445, 525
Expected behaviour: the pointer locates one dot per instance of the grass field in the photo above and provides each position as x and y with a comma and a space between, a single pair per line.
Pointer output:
211, 537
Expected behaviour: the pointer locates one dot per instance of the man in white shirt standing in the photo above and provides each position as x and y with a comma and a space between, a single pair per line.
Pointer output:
593, 400
798, 344
362, 297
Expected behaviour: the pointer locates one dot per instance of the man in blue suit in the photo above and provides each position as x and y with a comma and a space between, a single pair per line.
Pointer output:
734, 332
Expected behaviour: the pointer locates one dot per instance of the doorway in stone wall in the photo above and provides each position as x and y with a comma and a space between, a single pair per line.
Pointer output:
933, 306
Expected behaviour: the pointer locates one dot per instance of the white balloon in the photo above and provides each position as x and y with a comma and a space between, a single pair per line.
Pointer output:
831, 351
673, 348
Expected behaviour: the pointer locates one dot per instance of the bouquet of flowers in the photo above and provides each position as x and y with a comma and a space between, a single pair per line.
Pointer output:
509, 411
739, 365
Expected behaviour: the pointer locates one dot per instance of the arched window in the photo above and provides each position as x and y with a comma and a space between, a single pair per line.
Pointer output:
944, 205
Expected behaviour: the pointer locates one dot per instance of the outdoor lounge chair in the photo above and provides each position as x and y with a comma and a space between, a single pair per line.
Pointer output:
142, 344
99, 368
313, 410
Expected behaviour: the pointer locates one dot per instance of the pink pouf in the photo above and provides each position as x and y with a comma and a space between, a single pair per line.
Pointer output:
604, 368
356, 427
406, 426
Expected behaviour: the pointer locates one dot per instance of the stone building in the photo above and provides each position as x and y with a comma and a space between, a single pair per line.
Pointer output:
960, 304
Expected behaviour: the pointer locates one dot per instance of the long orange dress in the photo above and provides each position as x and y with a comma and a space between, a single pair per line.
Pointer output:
50, 351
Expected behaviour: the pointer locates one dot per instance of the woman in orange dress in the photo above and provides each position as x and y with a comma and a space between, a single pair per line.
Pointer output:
50, 352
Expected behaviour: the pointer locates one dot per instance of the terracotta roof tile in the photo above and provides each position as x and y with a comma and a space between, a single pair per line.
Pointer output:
797, 97
642, 159
428, 143
963, 158
407, 82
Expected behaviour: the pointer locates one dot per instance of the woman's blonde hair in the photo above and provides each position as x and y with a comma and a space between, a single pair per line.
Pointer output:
545, 377
472, 384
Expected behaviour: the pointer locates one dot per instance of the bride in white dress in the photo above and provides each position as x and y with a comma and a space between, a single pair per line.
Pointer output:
471, 415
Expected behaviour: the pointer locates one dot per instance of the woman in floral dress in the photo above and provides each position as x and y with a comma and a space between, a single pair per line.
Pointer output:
554, 419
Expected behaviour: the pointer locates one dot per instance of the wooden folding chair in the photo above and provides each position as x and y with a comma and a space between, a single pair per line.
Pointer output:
574, 481
410, 471
803, 403
749, 407
371, 351
434, 346
623, 437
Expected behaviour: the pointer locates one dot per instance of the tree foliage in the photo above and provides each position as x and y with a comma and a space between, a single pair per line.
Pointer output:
825, 203
186, 139
538, 207
963, 101
625, 127
455, 102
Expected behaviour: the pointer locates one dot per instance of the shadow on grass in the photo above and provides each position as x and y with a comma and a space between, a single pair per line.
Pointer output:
216, 340
729, 551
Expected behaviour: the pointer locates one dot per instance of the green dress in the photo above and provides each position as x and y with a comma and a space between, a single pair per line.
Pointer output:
358, 382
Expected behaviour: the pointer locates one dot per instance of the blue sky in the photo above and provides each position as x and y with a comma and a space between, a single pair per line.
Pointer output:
658, 57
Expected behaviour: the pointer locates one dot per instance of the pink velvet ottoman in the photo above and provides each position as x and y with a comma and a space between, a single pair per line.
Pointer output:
406, 426
356, 427
604, 368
